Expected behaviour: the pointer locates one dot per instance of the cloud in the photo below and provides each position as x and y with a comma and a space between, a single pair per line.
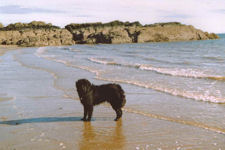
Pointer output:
178, 16
204, 14
220, 11
16, 9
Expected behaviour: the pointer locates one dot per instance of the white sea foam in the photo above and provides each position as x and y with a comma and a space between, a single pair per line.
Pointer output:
104, 61
40, 52
174, 71
196, 95
206, 96
179, 72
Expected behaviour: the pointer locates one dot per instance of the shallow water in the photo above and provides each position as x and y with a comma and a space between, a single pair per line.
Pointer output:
193, 70
175, 96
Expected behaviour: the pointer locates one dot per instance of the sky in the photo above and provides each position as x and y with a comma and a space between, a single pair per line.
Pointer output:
207, 15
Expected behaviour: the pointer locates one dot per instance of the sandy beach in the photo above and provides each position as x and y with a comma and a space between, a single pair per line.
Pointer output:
40, 109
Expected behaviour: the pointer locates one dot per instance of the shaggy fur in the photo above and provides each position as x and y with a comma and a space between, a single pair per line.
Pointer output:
91, 95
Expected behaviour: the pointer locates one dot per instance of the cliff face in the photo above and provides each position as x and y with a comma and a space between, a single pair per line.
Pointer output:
41, 34
36, 37
35, 33
95, 35
136, 33
170, 32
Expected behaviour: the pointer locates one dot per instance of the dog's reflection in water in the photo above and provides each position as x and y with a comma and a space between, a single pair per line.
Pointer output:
97, 138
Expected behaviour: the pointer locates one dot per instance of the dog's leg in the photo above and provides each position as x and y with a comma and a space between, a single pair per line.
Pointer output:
90, 110
85, 113
119, 113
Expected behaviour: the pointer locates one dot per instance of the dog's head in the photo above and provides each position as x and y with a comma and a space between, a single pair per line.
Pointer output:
83, 87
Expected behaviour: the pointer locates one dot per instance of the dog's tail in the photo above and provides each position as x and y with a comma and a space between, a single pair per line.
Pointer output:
122, 95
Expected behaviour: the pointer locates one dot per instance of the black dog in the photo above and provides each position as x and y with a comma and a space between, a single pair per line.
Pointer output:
91, 95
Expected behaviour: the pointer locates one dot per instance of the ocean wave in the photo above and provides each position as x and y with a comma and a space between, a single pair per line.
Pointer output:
206, 96
196, 95
173, 71
105, 61
40, 52
179, 72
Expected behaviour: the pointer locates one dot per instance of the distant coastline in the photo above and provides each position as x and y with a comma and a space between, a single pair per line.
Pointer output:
38, 33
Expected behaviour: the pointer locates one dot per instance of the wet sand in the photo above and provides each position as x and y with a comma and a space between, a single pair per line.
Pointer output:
5, 48
39, 111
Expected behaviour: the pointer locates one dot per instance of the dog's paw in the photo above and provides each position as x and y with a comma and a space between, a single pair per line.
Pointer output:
89, 119
83, 119
116, 119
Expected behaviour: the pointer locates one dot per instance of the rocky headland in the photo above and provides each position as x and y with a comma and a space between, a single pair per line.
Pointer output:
38, 33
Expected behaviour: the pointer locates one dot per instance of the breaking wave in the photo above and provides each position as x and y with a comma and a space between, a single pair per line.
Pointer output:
190, 73
206, 96
105, 61
180, 72
196, 95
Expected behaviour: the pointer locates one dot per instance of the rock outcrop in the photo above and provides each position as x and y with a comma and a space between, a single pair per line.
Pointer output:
38, 33
119, 32
1, 26
34, 34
